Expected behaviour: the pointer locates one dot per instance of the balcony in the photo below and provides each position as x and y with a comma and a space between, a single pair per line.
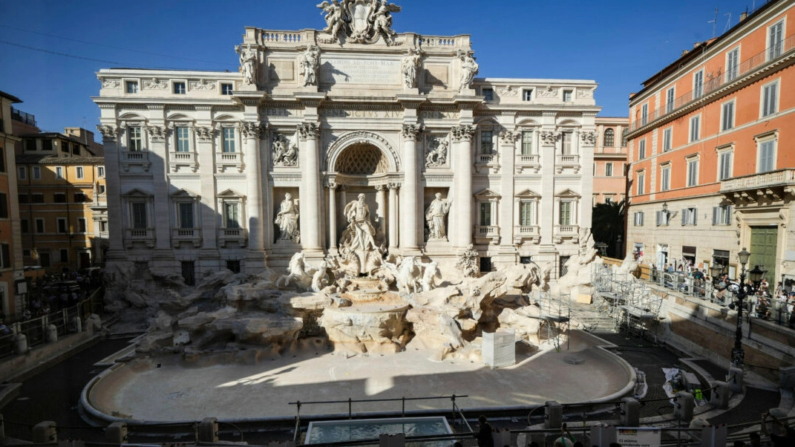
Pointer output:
567, 161
773, 185
566, 232
487, 234
528, 162
189, 235
487, 161
139, 235
177, 160
526, 233
23, 117
239, 235
134, 158
226, 160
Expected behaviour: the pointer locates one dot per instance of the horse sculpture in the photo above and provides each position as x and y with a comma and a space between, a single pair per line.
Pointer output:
298, 273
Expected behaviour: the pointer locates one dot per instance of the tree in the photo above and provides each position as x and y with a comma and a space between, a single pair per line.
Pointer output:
608, 224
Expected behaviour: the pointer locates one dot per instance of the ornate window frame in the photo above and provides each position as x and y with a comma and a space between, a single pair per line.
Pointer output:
178, 233
132, 234
178, 159
226, 233
488, 234
530, 232
570, 230
225, 160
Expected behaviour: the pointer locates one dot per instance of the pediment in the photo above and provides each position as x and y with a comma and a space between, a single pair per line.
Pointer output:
137, 193
230, 193
132, 117
528, 194
184, 193
568, 193
179, 117
487, 194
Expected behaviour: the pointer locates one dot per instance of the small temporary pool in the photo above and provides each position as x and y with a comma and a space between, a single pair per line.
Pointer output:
359, 430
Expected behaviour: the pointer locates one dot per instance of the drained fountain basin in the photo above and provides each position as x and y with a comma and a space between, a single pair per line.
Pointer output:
346, 431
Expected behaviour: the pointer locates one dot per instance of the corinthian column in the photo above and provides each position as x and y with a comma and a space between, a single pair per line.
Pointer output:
546, 219
410, 190
252, 133
310, 188
508, 141
462, 183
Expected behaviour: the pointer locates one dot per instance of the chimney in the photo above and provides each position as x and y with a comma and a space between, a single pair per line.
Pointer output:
743, 15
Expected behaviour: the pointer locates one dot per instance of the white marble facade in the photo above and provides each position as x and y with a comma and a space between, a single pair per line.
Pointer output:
199, 163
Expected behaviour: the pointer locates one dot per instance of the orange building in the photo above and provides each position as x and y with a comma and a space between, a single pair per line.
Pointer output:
610, 159
711, 151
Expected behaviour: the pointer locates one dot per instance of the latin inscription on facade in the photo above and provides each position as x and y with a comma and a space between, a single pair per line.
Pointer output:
342, 113
359, 71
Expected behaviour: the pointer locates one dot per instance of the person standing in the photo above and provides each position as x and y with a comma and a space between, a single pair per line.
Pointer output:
485, 433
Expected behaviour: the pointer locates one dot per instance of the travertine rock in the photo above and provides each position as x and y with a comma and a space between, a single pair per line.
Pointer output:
360, 332
525, 322
434, 331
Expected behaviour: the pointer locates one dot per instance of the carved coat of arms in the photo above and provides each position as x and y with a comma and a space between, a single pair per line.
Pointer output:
362, 21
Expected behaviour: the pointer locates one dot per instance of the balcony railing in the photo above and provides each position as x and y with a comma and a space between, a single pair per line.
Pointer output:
192, 235
782, 177
23, 117
527, 161
487, 234
567, 161
566, 232
731, 74
134, 158
177, 159
239, 235
229, 159
526, 232
145, 235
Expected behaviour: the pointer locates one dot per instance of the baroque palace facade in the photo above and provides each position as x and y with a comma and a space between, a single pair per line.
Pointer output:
207, 170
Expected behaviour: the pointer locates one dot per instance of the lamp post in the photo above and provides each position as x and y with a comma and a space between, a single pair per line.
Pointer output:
715, 271
738, 355
602, 247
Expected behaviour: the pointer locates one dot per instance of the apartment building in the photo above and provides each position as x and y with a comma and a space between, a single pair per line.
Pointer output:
712, 162
610, 160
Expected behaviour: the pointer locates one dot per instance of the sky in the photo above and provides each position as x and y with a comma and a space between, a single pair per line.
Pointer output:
617, 43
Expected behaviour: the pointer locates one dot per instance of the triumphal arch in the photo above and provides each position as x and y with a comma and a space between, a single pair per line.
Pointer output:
352, 140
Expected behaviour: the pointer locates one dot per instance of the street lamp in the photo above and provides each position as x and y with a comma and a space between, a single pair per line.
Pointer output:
715, 271
602, 247
738, 355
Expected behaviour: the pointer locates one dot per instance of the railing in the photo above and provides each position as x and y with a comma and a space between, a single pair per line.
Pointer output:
281, 36
567, 229
238, 235
486, 159
23, 117
526, 230
228, 158
770, 54
530, 159
186, 235
135, 156
185, 157
568, 160
437, 41
492, 230
780, 177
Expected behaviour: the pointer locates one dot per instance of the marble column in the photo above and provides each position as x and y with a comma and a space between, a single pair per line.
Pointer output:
252, 133
161, 215
508, 141
393, 220
110, 134
310, 188
380, 201
462, 180
208, 204
332, 216
546, 215
409, 214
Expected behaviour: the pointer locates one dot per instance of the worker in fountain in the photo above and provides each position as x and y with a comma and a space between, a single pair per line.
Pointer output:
358, 215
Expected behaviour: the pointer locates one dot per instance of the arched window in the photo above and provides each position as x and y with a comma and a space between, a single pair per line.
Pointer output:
624, 138
610, 138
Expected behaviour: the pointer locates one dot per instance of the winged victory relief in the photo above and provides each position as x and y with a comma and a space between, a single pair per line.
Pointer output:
362, 21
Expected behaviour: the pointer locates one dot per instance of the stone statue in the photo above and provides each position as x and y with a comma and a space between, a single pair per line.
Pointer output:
409, 66
435, 214
283, 153
309, 62
362, 21
469, 68
382, 21
437, 156
248, 64
430, 271
468, 262
360, 234
287, 219
335, 17
296, 273
407, 274
320, 277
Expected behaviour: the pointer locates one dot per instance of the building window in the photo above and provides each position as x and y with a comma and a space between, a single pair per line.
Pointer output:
669, 100
610, 138
39, 225
665, 184
567, 143
562, 269
767, 156
527, 95
36, 173
179, 88
76, 149
689, 216
608, 169
22, 199
101, 171
24, 226
692, 172
642, 149
526, 214
695, 123
485, 214
59, 197
624, 138
101, 189
638, 219
81, 225
486, 141
5, 256
22, 173
644, 114
527, 142
722, 215
186, 215
769, 99
724, 165
775, 42
641, 183
65, 147
226, 89
46, 144
727, 116
231, 215
565, 213
79, 172
59, 172
698, 84
732, 64
30, 145
2, 160
488, 94
135, 143
80, 197
567, 95
139, 220
525, 259
233, 266
183, 144
61, 225
64, 255
132, 86
37, 198
667, 139
228, 137
103, 226
3, 206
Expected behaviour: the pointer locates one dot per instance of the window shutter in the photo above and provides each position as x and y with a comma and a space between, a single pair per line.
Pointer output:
729, 215
6, 256
641, 218
659, 220
684, 216
695, 216
715, 214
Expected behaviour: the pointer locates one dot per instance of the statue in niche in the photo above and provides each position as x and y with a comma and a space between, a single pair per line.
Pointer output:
248, 64
435, 215
469, 68
309, 62
335, 17
287, 219
283, 153
360, 234
437, 156
409, 66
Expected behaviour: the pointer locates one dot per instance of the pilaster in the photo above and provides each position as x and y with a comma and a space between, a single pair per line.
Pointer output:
462, 183
310, 190
409, 203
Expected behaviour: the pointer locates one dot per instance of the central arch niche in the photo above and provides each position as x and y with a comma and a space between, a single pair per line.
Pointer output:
361, 159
